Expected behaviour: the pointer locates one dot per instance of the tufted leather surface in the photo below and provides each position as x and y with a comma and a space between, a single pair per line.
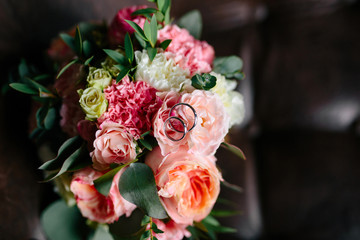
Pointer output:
301, 133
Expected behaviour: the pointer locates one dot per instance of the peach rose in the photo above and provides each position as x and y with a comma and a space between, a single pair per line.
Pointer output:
188, 184
95, 206
171, 229
212, 123
112, 145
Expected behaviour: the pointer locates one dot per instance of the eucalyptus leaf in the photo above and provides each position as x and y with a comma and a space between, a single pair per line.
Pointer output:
69, 40
67, 66
137, 29
67, 148
78, 42
61, 222
237, 151
137, 185
24, 88
129, 50
50, 118
116, 56
227, 65
151, 53
102, 234
103, 183
204, 82
164, 44
192, 22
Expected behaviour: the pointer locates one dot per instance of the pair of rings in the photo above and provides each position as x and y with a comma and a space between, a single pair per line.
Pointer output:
170, 119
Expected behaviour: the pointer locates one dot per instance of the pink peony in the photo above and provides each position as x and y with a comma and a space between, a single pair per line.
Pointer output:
171, 229
132, 104
118, 27
188, 184
188, 52
212, 123
95, 206
112, 145
66, 86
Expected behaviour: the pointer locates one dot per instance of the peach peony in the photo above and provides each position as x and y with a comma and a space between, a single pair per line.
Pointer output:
94, 205
112, 145
212, 123
190, 53
172, 230
188, 184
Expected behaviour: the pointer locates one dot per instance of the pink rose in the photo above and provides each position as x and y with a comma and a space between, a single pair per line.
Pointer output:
132, 104
112, 145
118, 27
171, 229
212, 123
94, 205
188, 52
188, 184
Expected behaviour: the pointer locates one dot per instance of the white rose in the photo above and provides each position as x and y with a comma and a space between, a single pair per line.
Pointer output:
99, 78
162, 74
232, 100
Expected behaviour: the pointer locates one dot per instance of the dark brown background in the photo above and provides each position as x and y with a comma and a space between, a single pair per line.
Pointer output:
301, 133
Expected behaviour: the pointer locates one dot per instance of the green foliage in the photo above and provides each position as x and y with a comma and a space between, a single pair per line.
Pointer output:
234, 149
204, 81
224, 213
62, 222
126, 63
164, 44
148, 142
192, 21
103, 183
149, 233
137, 185
229, 66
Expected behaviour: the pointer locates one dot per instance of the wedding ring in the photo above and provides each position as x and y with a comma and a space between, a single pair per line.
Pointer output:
182, 123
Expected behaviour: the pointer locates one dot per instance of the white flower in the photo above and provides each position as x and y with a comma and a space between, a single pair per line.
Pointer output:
93, 102
99, 78
232, 100
162, 74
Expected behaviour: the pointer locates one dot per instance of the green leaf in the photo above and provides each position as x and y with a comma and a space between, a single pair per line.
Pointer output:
50, 118
116, 56
137, 29
39, 86
145, 11
151, 52
23, 69
166, 5
167, 17
87, 48
129, 50
78, 42
148, 141
102, 234
75, 161
36, 132
147, 32
24, 88
69, 40
192, 22
87, 62
68, 147
103, 183
224, 213
141, 41
41, 77
67, 66
237, 151
40, 115
62, 222
137, 185
145, 221
165, 44
123, 72
153, 30
204, 82
155, 229
145, 235
233, 187
227, 65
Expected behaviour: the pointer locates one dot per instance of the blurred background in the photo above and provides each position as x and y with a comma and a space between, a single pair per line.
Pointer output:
301, 135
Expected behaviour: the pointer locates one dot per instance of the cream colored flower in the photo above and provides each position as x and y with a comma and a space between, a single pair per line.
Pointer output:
162, 74
99, 78
232, 100
93, 102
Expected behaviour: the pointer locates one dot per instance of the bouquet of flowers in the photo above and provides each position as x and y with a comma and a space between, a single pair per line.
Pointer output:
137, 110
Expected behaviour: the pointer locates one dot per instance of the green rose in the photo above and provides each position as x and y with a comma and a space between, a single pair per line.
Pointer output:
99, 78
93, 102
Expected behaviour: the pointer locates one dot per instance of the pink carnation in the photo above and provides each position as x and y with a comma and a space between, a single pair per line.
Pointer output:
132, 104
118, 27
93, 204
212, 123
188, 52
171, 229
